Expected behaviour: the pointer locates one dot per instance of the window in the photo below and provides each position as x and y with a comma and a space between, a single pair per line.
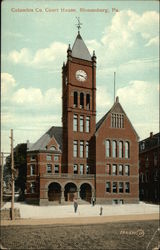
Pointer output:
87, 169
155, 159
81, 169
117, 121
121, 201
75, 148
141, 177
114, 149
108, 148
33, 158
114, 169
56, 169
108, 187
52, 148
56, 158
127, 187
108, 169
49, 168
127, 170
81, 149
114, 202
33, 187
75, 99
75, 123
120, 187
120, 149
120, 169
147, 162
81, 123
126, 150
87, 149
81, 100
88, 101
75, 169
114, 187
49, 157
32, 169
87, 124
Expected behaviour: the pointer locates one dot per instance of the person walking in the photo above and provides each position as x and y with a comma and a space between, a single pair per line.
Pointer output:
101, 210
75, 205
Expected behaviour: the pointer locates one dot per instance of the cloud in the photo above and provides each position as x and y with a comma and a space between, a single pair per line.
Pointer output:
42, 58
7, 83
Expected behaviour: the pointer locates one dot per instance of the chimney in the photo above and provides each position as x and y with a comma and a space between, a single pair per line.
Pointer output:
117, 99
151, 134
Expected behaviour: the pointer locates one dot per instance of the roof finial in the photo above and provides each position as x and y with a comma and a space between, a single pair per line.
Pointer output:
79, 24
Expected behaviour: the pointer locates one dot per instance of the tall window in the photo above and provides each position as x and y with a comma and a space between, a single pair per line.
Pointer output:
108, 148
127, 170
75, 123
32, 169
87, 124
81, 169
87, 169
114, 187
49, 168
120, 149
56, 169
114, 169
75, 148
75, 99
81, 149
75, 169
56, 158
108, 169
81, 100
114, 149
126, 149
87, 149
88, 101
33, 187
120, 187
127, 187
81, 123
108, 187
120, 169
49, 157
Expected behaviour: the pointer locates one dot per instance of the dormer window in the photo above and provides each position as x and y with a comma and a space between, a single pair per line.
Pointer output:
117, 120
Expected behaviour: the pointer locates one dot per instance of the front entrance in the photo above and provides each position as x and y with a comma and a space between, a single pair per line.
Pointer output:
70, 192
54, 192
86, 192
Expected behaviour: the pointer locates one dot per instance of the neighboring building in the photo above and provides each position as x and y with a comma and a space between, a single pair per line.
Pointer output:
149, 168
84, 159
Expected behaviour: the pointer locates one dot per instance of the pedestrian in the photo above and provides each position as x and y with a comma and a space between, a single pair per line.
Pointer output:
75, 205
101, 210
93, 201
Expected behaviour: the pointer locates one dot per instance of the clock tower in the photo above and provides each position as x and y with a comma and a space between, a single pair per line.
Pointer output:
78, 109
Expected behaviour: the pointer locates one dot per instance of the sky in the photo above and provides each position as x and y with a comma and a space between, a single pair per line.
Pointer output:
125, 37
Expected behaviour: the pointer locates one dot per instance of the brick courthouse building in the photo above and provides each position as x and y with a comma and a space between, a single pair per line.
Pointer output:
83, 159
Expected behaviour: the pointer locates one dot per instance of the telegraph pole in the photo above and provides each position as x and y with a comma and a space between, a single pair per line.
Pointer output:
12, 178
114, 86
2, 157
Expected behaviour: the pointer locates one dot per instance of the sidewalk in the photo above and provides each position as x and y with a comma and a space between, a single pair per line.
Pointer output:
85, 214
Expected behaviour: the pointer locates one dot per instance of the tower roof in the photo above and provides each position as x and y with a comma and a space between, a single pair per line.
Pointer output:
79, 49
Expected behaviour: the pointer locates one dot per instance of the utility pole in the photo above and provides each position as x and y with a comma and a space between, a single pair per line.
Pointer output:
2, 157
13, 172
114, 86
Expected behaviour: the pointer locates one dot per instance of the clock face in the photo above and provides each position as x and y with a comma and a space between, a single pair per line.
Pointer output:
81, 75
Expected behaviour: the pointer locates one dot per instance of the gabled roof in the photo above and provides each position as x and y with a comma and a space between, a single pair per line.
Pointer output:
116, 108
41, 144
80, 50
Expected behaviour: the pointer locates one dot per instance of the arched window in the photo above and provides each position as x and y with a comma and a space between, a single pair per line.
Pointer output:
52, 148
108, 148
126, 149
75, 99
81, 100
88, 101
120, 149
114, 149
